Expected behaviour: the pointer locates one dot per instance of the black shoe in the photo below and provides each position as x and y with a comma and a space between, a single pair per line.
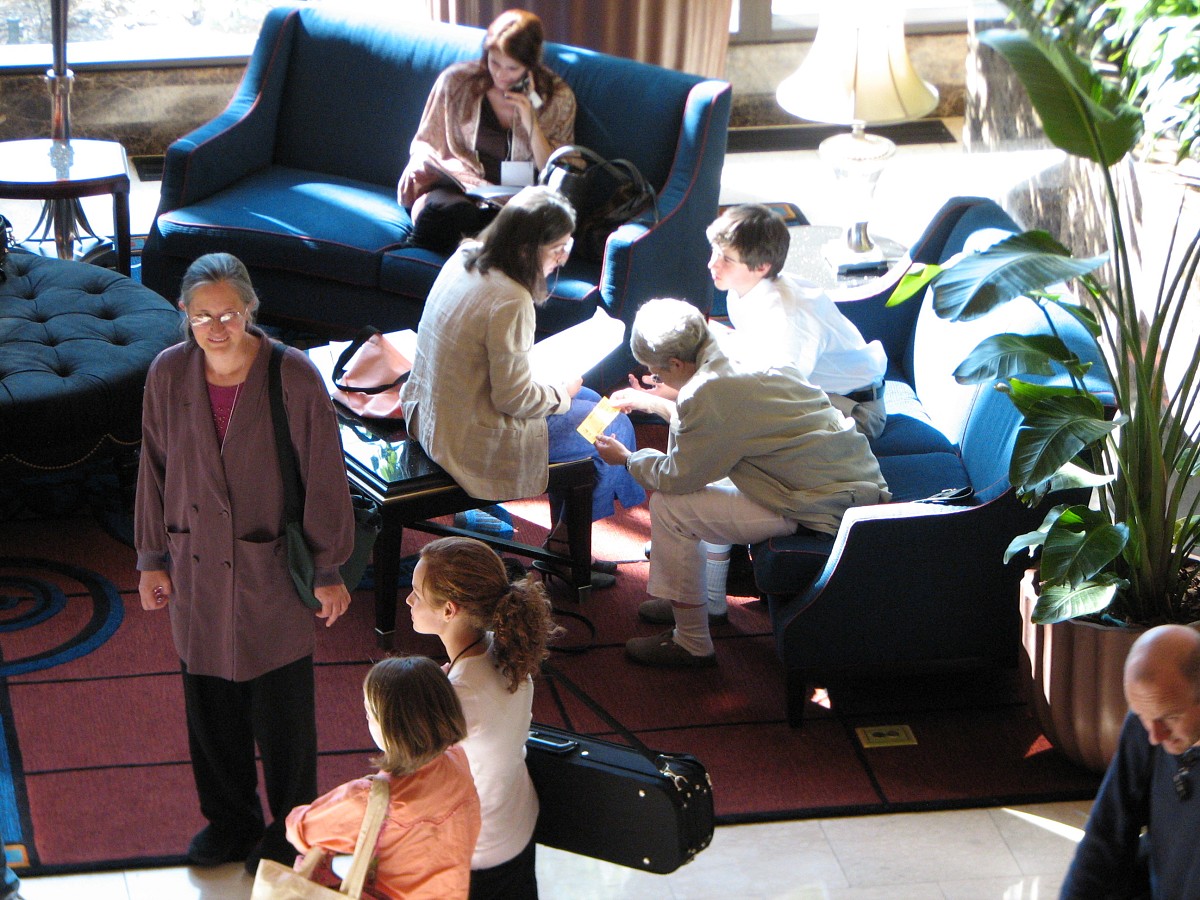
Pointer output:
600, 580
273, 845
599, 566
213, 845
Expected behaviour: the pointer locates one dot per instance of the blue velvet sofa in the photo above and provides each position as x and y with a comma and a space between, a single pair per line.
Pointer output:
298, 175
917, 582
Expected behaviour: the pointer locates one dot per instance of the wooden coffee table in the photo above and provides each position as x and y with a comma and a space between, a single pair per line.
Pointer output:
383, 462
60, 172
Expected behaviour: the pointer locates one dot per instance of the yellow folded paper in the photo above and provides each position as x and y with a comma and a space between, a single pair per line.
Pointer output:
597, 420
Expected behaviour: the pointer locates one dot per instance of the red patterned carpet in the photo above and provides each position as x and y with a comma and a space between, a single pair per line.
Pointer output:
97, 754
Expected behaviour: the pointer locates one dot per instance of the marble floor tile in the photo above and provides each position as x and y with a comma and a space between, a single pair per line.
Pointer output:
227, 882
1026, 887
910, 848
97, 886
1040, 835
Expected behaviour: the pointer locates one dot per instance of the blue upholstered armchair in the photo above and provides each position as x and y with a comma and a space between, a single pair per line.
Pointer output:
915, 581
298, 176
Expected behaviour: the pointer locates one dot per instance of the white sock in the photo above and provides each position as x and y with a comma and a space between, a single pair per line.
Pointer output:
716, 574
691, 629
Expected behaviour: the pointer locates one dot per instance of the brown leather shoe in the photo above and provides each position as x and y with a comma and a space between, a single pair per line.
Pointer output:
661, 650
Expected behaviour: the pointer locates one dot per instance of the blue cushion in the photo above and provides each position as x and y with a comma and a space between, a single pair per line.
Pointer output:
789, 564
908, 429
371, 78
295, 220
917, 476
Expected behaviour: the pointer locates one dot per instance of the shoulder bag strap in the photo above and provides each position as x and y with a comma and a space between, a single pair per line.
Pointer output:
339, 368
293, 507
368, 837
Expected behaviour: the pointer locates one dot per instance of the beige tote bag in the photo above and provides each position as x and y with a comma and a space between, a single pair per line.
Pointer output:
275, 881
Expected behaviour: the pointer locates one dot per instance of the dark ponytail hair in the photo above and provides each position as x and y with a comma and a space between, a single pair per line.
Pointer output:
469, 573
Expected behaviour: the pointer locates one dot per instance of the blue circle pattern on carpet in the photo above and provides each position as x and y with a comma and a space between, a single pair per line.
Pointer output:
26, 602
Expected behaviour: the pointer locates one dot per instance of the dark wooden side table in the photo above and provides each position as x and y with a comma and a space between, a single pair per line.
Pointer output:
60, 172
385, 464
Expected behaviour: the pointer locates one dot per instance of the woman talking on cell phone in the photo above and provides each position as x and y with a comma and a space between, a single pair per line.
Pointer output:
506, 107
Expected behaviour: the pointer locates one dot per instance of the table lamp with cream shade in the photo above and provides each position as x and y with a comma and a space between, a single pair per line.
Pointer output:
857, 73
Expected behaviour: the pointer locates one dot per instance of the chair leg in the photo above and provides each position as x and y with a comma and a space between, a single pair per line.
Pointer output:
797, 697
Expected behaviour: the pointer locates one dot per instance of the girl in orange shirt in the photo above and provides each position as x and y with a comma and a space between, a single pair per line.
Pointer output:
427, 839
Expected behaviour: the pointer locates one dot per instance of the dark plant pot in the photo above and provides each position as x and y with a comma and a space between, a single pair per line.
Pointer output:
1076, 673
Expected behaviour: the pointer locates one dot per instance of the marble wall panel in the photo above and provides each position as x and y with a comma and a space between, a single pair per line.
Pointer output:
144, 109
755, 70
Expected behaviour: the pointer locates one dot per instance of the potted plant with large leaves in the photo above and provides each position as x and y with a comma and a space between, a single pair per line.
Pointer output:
1122, 560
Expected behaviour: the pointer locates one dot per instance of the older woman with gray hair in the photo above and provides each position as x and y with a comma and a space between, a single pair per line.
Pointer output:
750, 455
208, 530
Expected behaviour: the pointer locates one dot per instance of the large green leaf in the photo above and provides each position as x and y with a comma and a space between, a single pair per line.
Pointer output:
1055, 431
1004, 355
979, 282
913, 282
1080, 112
1079, 545
1033, 539
1076, 476
1026, 397
1058, 602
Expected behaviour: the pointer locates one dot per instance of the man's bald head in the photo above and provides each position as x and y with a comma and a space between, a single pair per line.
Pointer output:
1162, 685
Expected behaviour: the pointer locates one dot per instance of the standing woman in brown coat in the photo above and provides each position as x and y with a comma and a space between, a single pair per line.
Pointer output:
210, 547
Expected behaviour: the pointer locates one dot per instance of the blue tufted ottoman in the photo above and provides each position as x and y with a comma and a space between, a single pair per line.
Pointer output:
75, 344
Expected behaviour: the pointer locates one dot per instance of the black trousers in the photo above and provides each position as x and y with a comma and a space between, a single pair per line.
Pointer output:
225, 719
448, 215
512, 880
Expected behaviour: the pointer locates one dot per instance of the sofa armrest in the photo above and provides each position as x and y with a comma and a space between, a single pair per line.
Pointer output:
907, 582
667, 258
241, 140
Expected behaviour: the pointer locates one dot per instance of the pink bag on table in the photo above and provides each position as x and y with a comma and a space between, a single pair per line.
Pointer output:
368, 375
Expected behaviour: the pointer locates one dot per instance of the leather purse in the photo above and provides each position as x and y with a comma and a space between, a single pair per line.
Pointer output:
368, 375
368, 517
275, 881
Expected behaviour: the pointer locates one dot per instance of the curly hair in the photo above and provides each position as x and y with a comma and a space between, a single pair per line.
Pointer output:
468, 573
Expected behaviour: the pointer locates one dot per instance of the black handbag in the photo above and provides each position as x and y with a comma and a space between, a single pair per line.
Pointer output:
628, 805
605, 194
6, 241
368, 517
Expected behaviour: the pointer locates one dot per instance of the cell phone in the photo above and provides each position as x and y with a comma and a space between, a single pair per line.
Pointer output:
523, 85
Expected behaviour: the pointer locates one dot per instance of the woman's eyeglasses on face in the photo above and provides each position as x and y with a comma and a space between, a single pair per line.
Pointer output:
563, 250
203, 320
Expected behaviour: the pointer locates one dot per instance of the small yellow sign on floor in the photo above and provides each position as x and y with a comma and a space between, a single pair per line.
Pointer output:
886, 736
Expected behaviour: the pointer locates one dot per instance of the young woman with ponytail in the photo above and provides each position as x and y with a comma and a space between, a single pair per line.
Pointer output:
495, 634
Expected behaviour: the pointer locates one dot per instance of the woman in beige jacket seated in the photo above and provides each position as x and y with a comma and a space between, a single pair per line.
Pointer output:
471, 400
503, 114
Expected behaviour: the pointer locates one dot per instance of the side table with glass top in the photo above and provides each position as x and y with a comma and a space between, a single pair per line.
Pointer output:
60, 173
384, 463
807, 259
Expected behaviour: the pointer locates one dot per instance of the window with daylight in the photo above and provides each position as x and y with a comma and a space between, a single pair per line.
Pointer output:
790, 20
112, 32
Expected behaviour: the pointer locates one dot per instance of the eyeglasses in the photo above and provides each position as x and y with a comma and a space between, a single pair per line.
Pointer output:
564, 250
203, 320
